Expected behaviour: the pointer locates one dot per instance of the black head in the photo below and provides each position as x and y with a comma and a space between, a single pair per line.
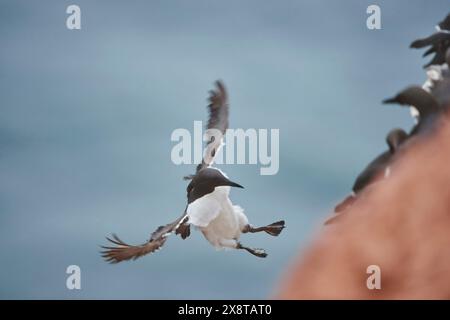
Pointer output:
205, 181
415, 96
214, 177
395, 138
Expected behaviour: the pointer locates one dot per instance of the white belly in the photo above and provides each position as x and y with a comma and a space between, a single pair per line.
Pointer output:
224, 227
220, 222
205, 209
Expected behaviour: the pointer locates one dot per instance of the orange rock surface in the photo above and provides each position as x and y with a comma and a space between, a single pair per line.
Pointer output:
401, 224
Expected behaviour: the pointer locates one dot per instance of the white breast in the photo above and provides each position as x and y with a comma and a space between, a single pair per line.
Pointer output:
205, 209
215, 215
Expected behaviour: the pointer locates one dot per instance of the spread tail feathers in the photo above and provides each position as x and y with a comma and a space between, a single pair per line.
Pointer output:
122, 251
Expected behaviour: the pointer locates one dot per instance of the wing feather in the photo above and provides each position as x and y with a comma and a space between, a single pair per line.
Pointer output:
217, 123
123, 251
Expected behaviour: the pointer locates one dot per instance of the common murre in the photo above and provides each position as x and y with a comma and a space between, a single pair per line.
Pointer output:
209, 207
377, 169
424, 102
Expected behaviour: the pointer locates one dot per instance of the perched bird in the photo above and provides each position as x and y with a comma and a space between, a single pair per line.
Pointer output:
437, 72
424, 102
438, 66
435, 75
378, 169
428, 107
439, 83
209, 207
439, 42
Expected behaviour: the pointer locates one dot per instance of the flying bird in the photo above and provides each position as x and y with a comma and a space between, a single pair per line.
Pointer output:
377, 169
209, 207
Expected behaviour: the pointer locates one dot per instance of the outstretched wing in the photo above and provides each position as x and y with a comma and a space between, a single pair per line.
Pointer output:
123, 251
217, 123
218, 108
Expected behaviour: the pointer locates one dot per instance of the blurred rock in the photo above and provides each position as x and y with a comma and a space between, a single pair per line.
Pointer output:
401, 224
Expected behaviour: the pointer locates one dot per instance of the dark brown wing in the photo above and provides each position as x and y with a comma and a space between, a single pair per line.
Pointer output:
123, 251
432, 40
374, 170
432, 49
438, 58
217, 123
218, 108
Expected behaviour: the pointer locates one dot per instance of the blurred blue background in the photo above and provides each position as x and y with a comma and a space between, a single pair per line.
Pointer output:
86, 119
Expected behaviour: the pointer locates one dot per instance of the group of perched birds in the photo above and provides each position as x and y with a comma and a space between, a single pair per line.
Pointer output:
427, 103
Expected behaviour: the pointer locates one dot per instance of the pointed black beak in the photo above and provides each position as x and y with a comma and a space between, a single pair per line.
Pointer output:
390, 100
234, 184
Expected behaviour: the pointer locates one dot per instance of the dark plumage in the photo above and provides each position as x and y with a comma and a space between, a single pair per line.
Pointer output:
423, 101
208, 204
203, 182
123, 251
377, 169
217, 124
445, 24
439, 42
